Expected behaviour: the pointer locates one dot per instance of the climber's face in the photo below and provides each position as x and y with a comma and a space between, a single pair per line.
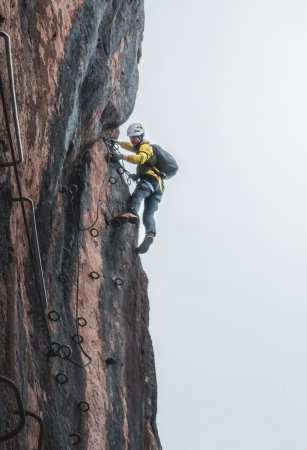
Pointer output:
135, 140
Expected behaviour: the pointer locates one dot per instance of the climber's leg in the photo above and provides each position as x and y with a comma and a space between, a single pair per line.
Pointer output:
151, 206
143, 190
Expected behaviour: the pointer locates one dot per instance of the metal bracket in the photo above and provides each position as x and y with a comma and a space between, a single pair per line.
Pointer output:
41, 428
83, 406
54, 315
75, 438
112, 180
20, 411
118, 281
94, 275
82, 322
94, 232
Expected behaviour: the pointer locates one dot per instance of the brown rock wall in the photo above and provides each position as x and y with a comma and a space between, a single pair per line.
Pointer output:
76, 79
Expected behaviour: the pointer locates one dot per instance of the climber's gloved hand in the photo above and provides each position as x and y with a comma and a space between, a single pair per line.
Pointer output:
115, 157
134, 176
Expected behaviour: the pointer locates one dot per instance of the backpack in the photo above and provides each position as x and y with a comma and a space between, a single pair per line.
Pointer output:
166, 164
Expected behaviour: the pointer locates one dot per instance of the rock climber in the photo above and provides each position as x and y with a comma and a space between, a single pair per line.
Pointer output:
150, 184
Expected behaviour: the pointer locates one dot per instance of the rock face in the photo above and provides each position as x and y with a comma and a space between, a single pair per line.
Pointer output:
84, 362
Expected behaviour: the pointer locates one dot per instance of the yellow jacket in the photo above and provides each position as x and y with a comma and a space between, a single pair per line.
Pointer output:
143, 154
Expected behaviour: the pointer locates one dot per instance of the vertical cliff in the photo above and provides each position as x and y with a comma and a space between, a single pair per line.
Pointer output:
81, 355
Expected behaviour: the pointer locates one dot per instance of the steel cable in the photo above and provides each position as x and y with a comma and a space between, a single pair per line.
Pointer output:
77, 324
97, 213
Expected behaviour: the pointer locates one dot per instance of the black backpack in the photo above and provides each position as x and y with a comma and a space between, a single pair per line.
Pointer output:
166, 164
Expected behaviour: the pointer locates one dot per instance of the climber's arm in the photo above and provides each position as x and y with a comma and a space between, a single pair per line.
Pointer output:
126, 145
140, 158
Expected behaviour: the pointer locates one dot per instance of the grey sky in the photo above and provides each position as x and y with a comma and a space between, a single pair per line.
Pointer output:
224, 88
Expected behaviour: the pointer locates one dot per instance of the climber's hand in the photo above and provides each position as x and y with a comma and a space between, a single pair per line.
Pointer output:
134, 177
115, 157
109, 140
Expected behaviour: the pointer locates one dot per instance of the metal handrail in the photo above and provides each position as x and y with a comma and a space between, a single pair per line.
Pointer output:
9, 60
38, 255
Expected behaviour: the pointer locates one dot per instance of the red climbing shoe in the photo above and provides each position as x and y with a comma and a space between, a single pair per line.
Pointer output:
126, 217
148, 240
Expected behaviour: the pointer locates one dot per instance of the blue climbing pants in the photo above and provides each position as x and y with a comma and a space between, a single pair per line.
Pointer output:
151, 193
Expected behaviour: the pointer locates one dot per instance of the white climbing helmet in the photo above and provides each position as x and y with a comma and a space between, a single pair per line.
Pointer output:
135, 129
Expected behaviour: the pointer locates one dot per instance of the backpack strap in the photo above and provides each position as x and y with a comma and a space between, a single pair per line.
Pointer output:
152, 166
157, 171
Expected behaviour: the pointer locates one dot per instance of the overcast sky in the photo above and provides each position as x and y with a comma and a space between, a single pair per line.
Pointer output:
223, 87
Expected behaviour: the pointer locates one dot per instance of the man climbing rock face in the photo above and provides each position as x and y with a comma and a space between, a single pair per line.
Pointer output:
149, 187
